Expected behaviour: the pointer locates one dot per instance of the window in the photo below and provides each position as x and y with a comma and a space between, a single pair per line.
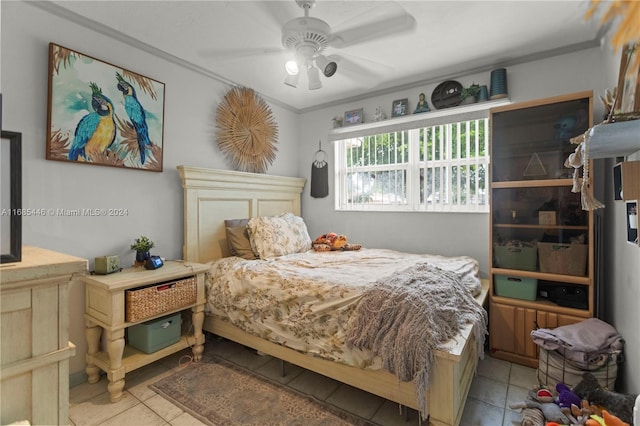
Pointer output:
433, 167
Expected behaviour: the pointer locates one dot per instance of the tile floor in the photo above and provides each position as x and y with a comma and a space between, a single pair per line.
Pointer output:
497, 384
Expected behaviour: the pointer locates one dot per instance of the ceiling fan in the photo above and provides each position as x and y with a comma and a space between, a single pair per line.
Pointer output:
305, 39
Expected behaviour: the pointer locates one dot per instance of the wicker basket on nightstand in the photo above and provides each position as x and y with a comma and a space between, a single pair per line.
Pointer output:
146, 302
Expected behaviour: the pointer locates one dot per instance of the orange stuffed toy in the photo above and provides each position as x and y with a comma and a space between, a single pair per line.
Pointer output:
333, 242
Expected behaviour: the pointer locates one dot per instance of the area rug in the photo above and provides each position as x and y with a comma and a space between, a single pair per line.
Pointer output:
220, 393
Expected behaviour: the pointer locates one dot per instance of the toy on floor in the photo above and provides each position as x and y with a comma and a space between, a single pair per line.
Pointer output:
566, 398
550, 410
532, 417
567, 407
580, 414
606, 419
616, 404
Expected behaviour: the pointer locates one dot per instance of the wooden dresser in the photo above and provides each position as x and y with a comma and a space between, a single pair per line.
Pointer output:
35, 351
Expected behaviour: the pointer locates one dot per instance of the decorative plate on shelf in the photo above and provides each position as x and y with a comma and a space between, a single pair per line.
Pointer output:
446, 94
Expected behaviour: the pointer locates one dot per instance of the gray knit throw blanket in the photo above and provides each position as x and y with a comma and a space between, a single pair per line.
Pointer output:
406, 317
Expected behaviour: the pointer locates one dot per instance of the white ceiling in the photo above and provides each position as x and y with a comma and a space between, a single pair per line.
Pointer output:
451, 39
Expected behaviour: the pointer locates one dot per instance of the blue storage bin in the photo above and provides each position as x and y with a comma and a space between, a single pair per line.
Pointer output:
156, 334
516, 287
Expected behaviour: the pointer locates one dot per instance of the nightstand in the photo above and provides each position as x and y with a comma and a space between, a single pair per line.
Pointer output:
106, 312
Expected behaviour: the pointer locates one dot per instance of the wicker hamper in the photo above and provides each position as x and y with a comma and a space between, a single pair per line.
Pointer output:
146, 302
553, 368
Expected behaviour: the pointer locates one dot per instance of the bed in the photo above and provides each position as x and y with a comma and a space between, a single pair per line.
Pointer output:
213, 196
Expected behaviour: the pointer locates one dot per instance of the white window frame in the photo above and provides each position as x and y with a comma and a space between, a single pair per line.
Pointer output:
412, 126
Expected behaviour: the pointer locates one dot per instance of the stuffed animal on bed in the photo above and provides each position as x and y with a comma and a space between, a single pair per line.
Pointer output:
332, 242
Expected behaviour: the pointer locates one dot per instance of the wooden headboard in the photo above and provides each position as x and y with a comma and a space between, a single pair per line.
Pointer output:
211, 196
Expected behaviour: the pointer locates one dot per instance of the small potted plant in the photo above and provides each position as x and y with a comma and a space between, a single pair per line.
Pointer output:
469, 95
142, 246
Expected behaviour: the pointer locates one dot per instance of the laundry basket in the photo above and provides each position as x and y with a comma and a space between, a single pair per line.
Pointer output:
554, 368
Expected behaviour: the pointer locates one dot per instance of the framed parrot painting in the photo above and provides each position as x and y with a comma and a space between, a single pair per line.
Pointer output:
102, 114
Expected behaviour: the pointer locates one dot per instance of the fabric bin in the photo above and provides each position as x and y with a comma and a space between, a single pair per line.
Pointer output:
514, 257
156, 334
516, 287
568, 259
553, 368
146, 302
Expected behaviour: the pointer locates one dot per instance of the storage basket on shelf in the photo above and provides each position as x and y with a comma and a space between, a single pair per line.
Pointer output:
153, 335
568, 259
521, 256
516, 287
146, 302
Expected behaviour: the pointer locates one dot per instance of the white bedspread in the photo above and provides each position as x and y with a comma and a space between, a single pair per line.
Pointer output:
305, 300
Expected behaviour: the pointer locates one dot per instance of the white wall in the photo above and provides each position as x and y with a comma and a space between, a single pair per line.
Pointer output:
622, 284
622, 267
153, 200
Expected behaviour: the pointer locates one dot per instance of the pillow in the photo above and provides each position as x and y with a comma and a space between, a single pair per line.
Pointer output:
273, 236
236, 223
238, 240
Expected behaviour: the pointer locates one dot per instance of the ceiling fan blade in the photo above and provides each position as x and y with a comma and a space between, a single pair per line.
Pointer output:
363, 63
353, 69
233, 54
277, 12
371, 31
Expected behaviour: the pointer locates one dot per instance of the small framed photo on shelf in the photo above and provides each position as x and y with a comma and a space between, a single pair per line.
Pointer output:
547, 217
353, 117
400, 107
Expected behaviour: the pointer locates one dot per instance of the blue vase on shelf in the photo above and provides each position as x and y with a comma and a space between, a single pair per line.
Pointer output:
498, 88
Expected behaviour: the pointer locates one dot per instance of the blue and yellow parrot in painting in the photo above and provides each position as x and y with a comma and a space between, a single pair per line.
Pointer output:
96, 131
136, 114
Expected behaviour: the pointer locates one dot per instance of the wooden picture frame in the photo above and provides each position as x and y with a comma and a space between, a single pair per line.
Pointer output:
353, 117
11, 196
86, 93
400, 107
628, 99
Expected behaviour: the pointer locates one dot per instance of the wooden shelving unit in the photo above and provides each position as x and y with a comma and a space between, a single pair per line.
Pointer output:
538, 133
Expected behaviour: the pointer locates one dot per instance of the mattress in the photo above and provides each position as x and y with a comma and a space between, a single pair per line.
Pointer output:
306, 301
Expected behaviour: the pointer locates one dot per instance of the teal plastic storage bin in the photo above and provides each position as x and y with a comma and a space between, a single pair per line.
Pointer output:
156, 334
516, 287
515, 257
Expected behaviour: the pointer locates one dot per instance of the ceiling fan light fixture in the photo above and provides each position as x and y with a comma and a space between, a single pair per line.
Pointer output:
328, 67
291, 66
314, 78
292, 80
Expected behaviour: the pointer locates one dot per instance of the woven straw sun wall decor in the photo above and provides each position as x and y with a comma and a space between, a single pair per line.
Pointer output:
246, 130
